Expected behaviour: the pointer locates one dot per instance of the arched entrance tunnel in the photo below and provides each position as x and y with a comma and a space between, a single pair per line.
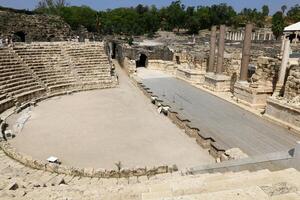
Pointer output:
114, 49
19, 36
142, 62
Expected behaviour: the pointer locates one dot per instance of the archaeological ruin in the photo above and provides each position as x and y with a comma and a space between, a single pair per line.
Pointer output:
214, 115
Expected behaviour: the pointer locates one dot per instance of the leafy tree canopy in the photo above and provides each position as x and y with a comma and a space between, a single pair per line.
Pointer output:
148, 19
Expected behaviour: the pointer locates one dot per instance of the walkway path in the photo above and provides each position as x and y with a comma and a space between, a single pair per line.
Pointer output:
228, 124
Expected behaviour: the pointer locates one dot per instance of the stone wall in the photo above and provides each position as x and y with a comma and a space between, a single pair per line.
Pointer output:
33, 26
266, 72
292, 86
82, 172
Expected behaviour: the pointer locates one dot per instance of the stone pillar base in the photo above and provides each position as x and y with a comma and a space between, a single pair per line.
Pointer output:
255, 97
217, 82
192, 76
282, 112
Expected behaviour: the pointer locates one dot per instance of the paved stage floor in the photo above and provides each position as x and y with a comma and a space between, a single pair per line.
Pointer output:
230, 125
99, 128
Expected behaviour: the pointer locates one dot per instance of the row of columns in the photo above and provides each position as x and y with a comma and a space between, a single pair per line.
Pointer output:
235, 36
220, 56
239, 36
245, 56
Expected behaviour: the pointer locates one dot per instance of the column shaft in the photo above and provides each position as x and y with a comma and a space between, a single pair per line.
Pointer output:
284, 62
211, 61
220, 68
246, 52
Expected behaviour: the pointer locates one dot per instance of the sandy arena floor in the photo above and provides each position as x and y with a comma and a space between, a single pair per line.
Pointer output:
100, 128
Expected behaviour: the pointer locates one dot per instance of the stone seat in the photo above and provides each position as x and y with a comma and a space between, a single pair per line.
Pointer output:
12, 82
82, 74
9, 72
6, 104
11, 66
50, 83
3, 96
63, 86
92, 79
49, 73
22, 88
88, 62
7, 57
15, 78
30, 94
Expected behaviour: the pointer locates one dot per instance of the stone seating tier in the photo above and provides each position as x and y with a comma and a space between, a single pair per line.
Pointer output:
28, 71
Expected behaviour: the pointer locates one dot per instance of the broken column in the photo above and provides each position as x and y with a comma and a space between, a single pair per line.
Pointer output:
221, 50
254, 94
211, 62
284, 64
246, 53
217, 81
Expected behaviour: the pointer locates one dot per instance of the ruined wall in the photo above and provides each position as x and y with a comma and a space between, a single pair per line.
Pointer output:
190, 60
35, 27
266, 72
292, 86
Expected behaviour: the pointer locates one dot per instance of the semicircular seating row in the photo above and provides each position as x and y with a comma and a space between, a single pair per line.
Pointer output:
30, 71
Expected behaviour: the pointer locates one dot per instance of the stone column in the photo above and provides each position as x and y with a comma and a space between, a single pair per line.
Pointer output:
246, 53
221, 50
212, 51
284, 64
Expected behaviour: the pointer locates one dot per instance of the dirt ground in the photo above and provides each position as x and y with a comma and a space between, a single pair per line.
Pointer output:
99, 128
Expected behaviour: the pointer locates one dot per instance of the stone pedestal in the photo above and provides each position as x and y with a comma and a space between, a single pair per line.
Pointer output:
191, 75
217, 82
252, 96
283, 112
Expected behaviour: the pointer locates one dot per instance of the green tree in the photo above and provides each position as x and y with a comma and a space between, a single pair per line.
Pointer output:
294, 14
278, 24
222, 14
265, 10
76, 16
175, 15
51, 6
283, 8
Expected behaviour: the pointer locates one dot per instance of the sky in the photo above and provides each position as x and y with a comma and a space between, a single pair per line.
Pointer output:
274, 5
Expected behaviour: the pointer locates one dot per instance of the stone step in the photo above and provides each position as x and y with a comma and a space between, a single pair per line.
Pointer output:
249, 193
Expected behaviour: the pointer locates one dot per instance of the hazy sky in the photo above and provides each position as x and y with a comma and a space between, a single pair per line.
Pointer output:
104, 4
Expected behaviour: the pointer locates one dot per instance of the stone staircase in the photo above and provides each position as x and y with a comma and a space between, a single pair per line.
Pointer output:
20, 182
47, 62
90, 64
16, 82
32, 71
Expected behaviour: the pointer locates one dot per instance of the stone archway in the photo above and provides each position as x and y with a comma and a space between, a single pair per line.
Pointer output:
142, 61
19, 36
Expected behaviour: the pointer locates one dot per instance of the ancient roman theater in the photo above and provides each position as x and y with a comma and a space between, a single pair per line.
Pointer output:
213, 116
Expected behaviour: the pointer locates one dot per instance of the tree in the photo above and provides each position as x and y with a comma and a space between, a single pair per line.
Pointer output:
50, 6
294, 14
221, 14
248, 15
278, 24
283, 8
173, 16
265, 10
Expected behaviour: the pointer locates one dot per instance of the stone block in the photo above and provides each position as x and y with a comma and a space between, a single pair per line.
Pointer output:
255, 97
217, 82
